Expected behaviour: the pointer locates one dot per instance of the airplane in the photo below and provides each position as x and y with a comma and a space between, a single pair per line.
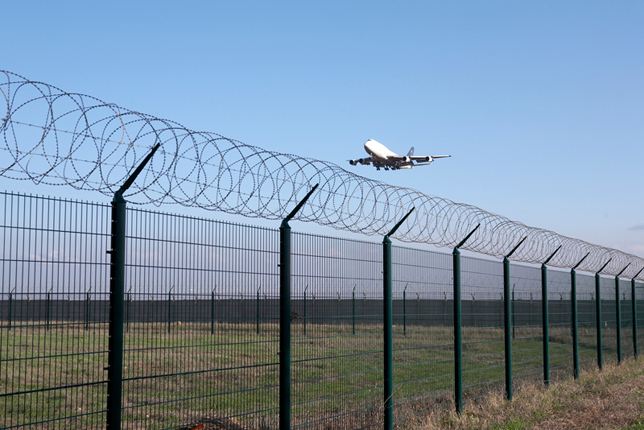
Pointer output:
382, 157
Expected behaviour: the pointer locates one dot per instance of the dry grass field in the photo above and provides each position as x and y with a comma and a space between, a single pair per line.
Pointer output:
610, 399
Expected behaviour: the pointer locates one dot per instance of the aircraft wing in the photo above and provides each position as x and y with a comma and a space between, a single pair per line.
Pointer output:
362, 161
417, 158
427, 158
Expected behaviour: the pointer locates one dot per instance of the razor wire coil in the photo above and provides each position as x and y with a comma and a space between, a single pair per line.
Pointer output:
62, 138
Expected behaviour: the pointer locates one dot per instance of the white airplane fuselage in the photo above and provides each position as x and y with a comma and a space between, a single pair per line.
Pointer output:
381, 153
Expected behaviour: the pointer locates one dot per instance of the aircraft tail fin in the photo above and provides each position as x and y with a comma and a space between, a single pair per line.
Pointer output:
411, 152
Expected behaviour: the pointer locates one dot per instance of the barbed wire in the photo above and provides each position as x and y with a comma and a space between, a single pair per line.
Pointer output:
61, 138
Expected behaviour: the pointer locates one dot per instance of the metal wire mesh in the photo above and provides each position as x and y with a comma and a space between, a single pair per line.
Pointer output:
53, 339
587, 333
423, 333
202, 315
337, 346
626, 318
609, 319
483, 356
560, 324
526, 322
200, 344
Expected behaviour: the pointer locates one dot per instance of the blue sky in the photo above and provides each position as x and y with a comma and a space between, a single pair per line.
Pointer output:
540, 103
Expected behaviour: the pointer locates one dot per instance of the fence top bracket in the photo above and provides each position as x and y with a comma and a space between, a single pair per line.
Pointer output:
552, 255
399, 223
462, 242
581, 261
297, 207
604, 266
130, 180
516, 247
622, 271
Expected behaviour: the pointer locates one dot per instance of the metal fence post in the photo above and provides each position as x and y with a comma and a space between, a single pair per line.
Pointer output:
212, 311
545, 320
170, 308
634, 312
618, 316
353, 310
47, 309
257, 311
388, 325
573, 318
304, 312
405, 310
507, 320
87, 304
10, 310
117, 288
458, 339
285, 315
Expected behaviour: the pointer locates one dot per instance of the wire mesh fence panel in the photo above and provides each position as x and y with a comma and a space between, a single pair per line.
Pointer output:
587, 330
201, 322
527, 357
609, 338
53, 306
483, 347
423, 330
337, 344
561, 359
200, 344
626, 318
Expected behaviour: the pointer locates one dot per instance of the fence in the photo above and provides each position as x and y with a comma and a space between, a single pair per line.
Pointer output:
201, 323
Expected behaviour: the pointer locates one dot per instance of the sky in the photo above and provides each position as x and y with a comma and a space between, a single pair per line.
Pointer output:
541, 104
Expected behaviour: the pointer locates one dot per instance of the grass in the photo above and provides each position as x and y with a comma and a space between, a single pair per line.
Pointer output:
610, 399
183, 373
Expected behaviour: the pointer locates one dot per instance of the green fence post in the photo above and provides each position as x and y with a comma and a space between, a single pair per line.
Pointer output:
170, 309
507, 319
285, 315
405, 310
545, 318
257, 311
304, 311
353, 310
634, 312
212, 311
10, 310
598, 316
388, 325
47, 309
573, 318
618, 316
87, 304
117, 288
458, 335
